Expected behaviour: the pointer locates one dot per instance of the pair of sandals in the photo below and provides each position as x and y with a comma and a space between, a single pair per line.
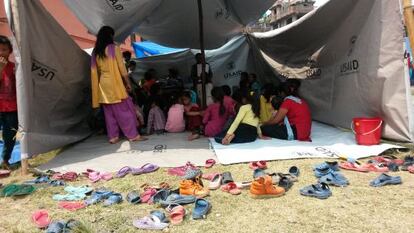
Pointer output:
68, 176
73, 193
225, 182
146, 168
108, 197
95, 176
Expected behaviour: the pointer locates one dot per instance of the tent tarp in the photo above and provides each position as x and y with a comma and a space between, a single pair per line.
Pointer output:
148, 48
351, 53
53, 84
226, 62
172, 23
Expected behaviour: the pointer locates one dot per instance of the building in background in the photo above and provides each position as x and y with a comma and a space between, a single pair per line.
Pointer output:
284, 12
68, 21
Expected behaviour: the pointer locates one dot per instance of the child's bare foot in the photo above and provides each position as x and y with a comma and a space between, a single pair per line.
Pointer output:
138, 138
193, 137
114, 140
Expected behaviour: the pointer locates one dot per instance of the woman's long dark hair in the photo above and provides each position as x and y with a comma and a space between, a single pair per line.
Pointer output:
268, 91
218, 95
104, 38
254, 100
291, 87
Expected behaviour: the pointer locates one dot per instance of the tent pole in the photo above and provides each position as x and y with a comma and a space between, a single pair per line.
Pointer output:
203, 54
409, 20
15, 14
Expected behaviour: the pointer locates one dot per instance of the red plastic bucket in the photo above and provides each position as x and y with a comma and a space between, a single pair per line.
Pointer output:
367, 130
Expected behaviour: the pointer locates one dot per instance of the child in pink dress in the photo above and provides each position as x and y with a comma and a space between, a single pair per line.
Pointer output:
216, 114
156, 118
175, 121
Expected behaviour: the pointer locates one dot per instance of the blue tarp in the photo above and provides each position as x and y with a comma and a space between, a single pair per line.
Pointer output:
148, 48
15, 157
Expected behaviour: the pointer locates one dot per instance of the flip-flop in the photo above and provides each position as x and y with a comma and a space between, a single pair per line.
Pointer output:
177, 199
411, 169
56, 183
180, 171
146, 168
41, 219
243, 185
106, 176
70, 176
71, 205
320, 191
373, 167
215, 183
4, 173
209, 176
147, 194
387, 159
353, 167
294, 171
133, 197
201, 209
113, 199
94, 177
285, 183
9, 190
231, 188
24, 190
149, 223
123, 172
98, 195
227, 178
385, 179
161, 195
69, 197
78, 189
258, 164
56, 227
210, 163
176, 214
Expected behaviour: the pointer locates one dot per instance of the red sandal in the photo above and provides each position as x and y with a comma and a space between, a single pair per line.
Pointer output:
231, 188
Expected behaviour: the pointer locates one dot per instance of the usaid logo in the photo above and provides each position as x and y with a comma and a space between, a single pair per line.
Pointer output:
117, 5
43, 71
352, 65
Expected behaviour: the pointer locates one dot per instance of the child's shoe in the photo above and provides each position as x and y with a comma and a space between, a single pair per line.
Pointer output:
263, 187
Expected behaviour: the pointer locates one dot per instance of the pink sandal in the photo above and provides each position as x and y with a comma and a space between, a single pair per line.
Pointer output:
231, 188
375, 167
41, 218
353, 167
258, 164
210, 163
177, 214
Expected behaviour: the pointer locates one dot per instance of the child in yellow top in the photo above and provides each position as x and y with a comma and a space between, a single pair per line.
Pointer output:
245, 127
266, 109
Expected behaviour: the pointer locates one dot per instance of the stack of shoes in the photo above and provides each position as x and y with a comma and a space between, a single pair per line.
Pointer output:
328, 173
192, 184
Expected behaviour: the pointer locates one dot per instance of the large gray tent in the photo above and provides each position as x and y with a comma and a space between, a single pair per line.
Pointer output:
349, 52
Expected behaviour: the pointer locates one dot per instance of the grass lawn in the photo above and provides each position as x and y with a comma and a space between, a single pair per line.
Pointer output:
357, 208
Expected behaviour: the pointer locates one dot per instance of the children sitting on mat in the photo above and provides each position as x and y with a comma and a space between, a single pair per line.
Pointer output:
245, 127
293, 120
192, 116
156, 118
175, 121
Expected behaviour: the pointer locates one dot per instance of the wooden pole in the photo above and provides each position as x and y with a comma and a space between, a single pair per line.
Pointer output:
409, 20
203, 54
17, 34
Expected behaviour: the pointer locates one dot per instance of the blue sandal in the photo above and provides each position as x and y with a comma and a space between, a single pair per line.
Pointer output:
385, 179
320, 191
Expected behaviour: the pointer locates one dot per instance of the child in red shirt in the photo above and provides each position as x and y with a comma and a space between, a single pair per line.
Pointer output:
8, 101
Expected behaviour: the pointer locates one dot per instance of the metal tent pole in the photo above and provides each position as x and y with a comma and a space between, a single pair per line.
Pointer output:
203, 55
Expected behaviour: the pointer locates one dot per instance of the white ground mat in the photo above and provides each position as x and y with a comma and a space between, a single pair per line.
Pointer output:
96, 153
327, 142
